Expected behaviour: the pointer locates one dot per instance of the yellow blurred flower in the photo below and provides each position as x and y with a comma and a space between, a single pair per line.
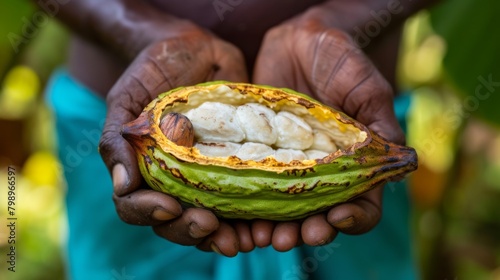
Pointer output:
19, 91
42, 169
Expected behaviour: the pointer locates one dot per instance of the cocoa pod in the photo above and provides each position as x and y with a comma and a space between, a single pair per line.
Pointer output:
345, 160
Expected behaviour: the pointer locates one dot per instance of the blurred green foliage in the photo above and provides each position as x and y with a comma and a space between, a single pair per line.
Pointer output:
457, 186
471, 30
13, 15
31, 45
30, 37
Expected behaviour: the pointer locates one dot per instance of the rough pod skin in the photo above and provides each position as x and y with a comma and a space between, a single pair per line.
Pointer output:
267, 189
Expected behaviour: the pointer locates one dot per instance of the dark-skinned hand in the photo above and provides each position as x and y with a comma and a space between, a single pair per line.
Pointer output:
164, 65
325, 63
167, 64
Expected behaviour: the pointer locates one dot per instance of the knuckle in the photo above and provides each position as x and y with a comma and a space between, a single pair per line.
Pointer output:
338, 34
106, 144
129, 211
121, 209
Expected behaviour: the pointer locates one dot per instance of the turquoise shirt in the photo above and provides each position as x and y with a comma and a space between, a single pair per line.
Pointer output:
101, 246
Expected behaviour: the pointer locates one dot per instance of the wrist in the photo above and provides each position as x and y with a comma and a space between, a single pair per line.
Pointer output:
129, 26
341, 15
124, 27
350, 16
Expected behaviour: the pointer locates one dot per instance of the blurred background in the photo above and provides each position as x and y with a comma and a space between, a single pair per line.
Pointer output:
450, 62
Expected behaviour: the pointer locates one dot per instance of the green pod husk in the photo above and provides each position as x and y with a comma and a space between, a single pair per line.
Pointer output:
267, 189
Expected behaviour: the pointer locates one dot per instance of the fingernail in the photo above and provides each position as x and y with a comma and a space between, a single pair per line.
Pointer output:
120, 179
216, 249
345, 223
162, 215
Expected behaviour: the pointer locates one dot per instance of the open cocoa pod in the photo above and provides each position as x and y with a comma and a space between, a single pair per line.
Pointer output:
250, 151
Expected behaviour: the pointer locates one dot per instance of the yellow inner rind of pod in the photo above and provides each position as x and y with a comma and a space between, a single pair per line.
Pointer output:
181, 100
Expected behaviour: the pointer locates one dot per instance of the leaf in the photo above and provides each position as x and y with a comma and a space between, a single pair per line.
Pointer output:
472, 61
15, 18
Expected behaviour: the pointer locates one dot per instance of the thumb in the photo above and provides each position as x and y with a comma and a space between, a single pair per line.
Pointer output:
385, 124
371, 102
150, 74
140, 83
117, 153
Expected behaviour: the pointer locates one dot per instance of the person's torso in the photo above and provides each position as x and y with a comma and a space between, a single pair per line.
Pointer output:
241, 22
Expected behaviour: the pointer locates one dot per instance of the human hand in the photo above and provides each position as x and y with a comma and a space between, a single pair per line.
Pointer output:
325, 63
185, 60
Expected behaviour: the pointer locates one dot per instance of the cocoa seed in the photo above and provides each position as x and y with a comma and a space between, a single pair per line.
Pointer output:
178, 129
